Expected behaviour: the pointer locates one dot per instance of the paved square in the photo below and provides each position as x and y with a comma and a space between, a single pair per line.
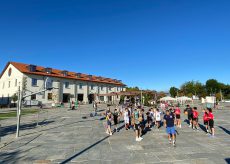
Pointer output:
65, 137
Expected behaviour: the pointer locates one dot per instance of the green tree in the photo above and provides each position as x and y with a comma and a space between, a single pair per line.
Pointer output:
173, 91
212, 86
14, 98
132, 89
193, 88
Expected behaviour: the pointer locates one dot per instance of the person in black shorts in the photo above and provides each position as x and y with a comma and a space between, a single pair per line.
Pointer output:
189, 111
115, 119
149, 120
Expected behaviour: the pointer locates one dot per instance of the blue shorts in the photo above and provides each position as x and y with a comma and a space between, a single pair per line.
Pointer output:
171, 130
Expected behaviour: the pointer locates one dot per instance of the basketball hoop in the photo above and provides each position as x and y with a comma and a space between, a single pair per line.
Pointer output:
48, 84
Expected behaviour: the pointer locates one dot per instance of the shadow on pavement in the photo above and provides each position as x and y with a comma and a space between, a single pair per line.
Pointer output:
12, 129
15, 156
225, 130
81, 152
227, 160
202, 127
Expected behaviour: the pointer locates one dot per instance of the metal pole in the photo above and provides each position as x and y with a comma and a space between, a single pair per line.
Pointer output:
141, 98
18, 112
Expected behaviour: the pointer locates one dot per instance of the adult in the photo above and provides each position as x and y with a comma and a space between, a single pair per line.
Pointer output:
169, 122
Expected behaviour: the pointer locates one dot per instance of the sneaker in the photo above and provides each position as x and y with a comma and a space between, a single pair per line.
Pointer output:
190, 126
140, 138
111, 134
107, 132
170, 141
174, 143
180, 126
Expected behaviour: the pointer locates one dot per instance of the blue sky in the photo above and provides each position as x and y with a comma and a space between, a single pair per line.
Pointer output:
152, 44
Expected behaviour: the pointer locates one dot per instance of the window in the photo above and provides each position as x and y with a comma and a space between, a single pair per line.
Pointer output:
9, 84
110, 88
34, 82
92, 87
102, 88
80, 86
65, 73
49, 84
102, 98
16, 82
50, 96
33, 97
3, 85
66, 84
117, 88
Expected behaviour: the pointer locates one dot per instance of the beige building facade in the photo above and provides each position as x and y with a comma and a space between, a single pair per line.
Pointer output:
69, 86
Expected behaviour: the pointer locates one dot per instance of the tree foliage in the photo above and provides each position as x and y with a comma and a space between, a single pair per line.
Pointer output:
14, 98
173, 91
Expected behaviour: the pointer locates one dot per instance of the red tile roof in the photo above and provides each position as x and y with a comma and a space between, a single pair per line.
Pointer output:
59, 73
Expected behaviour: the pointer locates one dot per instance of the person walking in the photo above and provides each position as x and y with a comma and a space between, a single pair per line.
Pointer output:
195, 115
206, 120
169, 122
211, 122
158, 119
109, 123
115, 120
126, 118
177, 114
189, 112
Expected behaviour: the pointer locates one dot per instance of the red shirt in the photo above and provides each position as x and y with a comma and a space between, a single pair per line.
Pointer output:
195, 114
211, 116
177, 111
205, 116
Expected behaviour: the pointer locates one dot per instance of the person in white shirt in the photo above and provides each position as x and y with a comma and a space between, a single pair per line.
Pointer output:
158, 119
126, 118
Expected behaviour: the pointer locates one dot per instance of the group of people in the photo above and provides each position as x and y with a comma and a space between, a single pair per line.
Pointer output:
208, 119
135, 118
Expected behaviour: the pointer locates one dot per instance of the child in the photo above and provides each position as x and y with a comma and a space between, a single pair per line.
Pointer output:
206, 120
195, 116
211, 122
109, 123
149, 119
177, 113
136, 118
158, 119
126, 119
